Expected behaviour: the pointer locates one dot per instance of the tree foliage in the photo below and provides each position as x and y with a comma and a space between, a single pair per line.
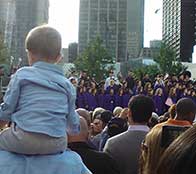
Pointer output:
167, 61
3, 52
4, 58
151, 70
94, 59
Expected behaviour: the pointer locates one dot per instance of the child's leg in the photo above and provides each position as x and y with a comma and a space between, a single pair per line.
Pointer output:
16, 140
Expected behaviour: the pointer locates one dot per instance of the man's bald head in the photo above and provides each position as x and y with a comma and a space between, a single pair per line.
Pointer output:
85, 114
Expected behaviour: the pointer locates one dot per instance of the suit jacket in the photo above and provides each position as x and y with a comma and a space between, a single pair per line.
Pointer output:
125, 149
97, 162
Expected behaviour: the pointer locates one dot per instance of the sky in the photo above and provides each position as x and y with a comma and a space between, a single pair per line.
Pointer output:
64, 16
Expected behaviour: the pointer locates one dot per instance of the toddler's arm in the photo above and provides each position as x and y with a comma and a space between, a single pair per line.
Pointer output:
10, 99
73, 124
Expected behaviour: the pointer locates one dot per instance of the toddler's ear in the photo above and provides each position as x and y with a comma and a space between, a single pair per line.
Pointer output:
59, 58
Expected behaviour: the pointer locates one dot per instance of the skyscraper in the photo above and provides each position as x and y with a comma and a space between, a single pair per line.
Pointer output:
179, 27
135, 27
119, 23
7, 20
18, 17
28, 15
3, 13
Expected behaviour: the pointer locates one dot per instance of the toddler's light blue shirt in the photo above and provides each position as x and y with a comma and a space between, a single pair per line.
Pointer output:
40, 99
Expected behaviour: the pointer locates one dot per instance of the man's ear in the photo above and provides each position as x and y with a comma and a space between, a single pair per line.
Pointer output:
130, 116
191, 116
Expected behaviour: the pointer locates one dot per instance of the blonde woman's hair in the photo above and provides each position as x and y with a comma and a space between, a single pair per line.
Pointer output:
151, 151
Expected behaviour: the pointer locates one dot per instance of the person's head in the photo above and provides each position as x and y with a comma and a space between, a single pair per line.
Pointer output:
193, 93
140, 109
185, 91
180, 156
172, 111
147, 86
85, 114
112, 82
153, 120
185, 110
151, 151
43, 43
97, 112
73, 81
96, 126
111, 91
120, 91
83, 135
111, 73
139, 83
146, 76
172, 92
116, 126
105, 117
117, 110
187, 75
159, 92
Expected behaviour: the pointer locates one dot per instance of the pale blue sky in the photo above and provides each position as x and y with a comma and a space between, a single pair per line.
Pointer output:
64, 16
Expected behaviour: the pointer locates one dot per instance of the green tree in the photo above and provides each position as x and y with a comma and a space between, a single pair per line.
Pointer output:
95, 60
167, 61
151, 70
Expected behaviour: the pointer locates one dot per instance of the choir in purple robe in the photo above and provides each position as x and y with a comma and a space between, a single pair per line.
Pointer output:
164, 92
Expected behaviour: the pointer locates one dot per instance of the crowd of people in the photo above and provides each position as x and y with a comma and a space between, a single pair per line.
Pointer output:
135, 121
135, 140
165, 90
119, 126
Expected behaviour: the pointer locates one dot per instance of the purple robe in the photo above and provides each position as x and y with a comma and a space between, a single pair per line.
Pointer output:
92, 102
109, 103
174, 99
111, 87
100, 100
126, 98
159, 104
80, 103
118, 100
85, 94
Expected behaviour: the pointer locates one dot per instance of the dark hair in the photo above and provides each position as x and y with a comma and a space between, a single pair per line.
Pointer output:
187, 73
141, 108
153, 121
44, 41
180, 156
185, 106
116, 126
105, 116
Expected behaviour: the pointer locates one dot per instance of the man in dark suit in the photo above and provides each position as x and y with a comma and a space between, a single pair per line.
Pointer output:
97, 162
125, 147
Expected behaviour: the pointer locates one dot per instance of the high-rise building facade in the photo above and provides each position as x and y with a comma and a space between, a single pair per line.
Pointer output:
135, 27
119, 23
3, 14
7, 21
19, 17
28, 15
72, 52
179, 27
